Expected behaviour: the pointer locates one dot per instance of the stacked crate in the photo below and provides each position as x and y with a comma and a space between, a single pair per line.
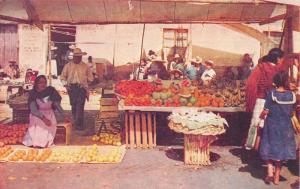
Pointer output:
109, 115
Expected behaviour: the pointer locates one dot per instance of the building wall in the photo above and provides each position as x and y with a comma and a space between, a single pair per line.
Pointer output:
127, 41
8, 44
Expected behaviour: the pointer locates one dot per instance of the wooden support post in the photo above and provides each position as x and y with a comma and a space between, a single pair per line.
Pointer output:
138, 129
150, 136
131, 130
126, 129
144, 130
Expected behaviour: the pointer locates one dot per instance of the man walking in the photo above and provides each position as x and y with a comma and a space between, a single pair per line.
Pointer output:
75, 77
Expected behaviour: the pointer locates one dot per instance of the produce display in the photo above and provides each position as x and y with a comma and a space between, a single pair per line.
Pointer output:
5, 151
194, 122
108, 139
184, 93
67, 154
12, 134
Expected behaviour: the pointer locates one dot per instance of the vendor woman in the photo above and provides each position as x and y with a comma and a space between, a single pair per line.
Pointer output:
43, 103
257, 85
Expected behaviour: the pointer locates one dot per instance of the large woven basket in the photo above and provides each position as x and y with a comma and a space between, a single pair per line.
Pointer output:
208, 130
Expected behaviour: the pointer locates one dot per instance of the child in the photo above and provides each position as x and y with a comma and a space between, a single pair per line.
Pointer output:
278, 139
176, 75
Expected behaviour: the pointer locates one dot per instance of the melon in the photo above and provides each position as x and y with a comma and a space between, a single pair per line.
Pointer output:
192, 100
163, 96
156, 95
183, 101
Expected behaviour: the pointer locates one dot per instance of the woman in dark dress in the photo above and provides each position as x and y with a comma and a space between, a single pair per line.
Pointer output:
278, 137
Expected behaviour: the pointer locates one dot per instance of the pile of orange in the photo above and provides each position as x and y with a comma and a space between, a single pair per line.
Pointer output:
31, 155
44, 155
12, 134
5, 151
18, 155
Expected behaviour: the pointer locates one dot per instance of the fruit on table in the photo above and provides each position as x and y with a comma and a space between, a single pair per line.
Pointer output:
135, 88
5, 151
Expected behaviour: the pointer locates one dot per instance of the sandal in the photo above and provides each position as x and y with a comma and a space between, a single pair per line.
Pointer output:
269, 179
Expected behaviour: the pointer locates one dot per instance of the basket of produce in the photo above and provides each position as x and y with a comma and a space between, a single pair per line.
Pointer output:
200, 130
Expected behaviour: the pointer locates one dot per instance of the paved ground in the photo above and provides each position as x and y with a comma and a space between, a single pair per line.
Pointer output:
158, 168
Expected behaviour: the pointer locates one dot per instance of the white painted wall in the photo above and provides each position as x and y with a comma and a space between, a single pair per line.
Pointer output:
33, 45
128, 40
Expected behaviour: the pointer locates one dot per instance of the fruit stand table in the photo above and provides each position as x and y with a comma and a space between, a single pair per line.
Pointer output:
140, 122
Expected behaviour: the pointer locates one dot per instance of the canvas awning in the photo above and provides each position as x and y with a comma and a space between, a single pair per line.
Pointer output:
137, 11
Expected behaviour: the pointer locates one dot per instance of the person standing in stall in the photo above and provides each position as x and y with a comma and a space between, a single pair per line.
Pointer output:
44, 104
75, 77
257, 85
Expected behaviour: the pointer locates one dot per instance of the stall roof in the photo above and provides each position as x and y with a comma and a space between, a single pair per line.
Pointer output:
137, 11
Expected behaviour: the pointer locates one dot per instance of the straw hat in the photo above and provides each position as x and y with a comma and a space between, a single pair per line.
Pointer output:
177, 56
209, 62
197, 60
176, 71
78, 52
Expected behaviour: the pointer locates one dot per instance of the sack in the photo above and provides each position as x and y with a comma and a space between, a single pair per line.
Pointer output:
296, 124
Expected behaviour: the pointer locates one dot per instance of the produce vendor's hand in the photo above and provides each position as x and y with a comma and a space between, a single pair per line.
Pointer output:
47, 121
293, 86
263, 114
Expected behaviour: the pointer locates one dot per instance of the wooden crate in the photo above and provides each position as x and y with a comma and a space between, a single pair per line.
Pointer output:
140, 129
108, 113
196, 149
21, 115
63, 133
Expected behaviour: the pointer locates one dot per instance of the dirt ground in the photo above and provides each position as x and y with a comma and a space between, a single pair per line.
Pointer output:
158, 168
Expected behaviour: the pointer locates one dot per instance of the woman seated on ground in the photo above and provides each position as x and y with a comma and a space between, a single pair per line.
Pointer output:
43, 103
278, 136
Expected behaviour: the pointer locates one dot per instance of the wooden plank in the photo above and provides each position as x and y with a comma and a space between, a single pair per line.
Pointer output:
138, 135
144, 130
126, 129
108, 102
273, 19
131, 130
150, 136
154, 129
104, 115
109, 108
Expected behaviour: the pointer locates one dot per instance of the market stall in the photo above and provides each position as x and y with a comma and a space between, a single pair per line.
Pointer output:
143, 100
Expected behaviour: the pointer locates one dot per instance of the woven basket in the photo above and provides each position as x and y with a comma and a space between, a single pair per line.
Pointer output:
208, 130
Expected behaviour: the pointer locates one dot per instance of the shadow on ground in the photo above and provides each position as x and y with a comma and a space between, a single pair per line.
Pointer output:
178, 155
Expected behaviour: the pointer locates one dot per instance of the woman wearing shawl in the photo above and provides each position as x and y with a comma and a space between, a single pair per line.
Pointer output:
257, 86
43, 103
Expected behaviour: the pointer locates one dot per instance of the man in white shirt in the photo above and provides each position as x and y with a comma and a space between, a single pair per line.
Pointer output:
75, 77
209, 73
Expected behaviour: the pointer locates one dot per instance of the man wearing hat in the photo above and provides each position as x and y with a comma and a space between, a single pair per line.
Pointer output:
75, 77
195, 70
156, 70
209, 73
177, 63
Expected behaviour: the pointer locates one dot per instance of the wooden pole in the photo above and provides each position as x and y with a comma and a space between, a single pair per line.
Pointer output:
142, 45
49, 55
